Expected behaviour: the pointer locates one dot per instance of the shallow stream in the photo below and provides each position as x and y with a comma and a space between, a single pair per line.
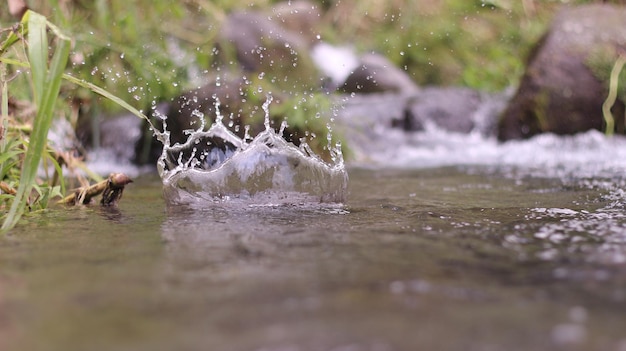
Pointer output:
441, 258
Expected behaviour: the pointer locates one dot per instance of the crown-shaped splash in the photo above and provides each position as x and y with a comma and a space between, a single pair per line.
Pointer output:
215, 165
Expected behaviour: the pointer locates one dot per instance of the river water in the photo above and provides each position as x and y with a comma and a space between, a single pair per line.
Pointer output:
461, 245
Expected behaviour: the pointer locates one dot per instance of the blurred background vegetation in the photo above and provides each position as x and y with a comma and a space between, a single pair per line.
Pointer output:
146, 50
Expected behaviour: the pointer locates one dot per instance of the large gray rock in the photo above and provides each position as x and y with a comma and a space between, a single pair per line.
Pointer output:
454, 109
566, 79
378, 123
376, 74
274, 45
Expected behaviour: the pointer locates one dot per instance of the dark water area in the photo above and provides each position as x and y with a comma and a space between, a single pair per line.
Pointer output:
452, 258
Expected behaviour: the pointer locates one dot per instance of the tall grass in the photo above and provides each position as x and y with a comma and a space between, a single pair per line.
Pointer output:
46, 77
46, 82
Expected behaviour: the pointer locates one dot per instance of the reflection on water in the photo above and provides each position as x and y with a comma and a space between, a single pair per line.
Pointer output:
459, 258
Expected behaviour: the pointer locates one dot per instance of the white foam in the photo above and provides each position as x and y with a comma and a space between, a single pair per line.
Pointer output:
589, 154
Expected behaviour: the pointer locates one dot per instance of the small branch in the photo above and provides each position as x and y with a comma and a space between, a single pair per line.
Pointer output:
110, 188
115, 187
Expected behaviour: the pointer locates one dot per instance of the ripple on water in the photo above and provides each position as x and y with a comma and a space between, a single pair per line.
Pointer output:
599, 235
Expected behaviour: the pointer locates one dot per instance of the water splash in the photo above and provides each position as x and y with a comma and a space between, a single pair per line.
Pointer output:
216, 166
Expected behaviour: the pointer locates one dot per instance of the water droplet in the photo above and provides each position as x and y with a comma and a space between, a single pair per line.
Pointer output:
246, 133
283, 125
218, 114
200, 118
266, 109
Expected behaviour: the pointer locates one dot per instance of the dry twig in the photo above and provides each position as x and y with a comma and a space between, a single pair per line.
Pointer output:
7, 189
110, 188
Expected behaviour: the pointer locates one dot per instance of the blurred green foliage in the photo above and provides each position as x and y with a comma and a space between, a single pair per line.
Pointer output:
479, 44
144, 50
147, 51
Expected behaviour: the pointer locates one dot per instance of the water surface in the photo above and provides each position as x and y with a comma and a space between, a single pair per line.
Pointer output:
446, 258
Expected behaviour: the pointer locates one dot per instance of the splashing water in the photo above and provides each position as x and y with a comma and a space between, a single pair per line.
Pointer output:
216, 166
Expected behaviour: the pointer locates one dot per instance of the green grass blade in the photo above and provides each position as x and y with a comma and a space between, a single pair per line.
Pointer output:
94, 88
49, 156
609, 120
13, 37
38, 53
49, 89
100, 91
8, 154
4, 109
